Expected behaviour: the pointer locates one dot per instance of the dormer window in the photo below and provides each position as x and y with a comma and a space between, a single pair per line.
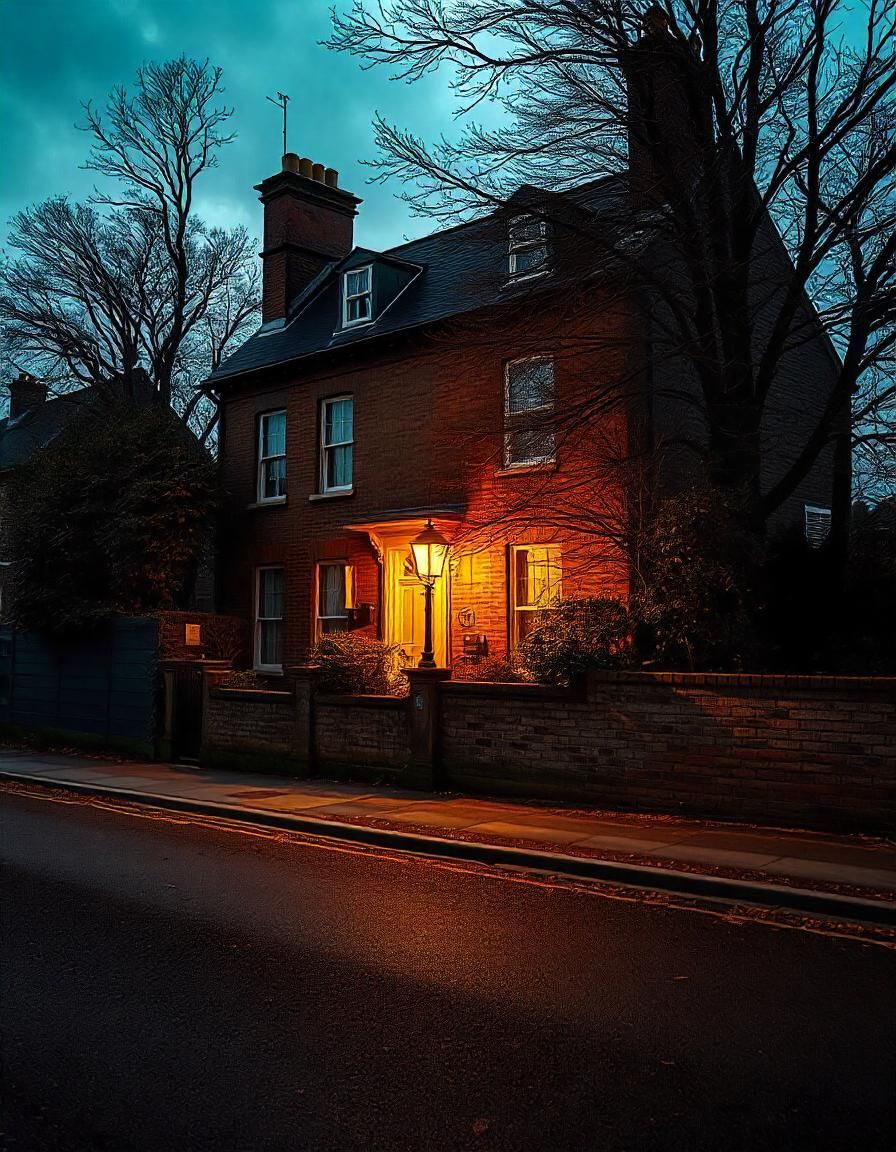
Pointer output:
527, 243
357, 297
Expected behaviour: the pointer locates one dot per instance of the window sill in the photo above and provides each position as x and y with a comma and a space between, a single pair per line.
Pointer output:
525, 469
352, 325
523, 277
274, 502
332, 495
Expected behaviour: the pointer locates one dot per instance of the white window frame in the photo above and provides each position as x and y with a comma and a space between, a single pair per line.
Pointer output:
262, 459
325, 447
256, 645
516, 421
348, 585
817, 509
347, 296
515, 608
516, 246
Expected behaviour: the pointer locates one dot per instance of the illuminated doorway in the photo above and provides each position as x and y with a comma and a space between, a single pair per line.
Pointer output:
403, 607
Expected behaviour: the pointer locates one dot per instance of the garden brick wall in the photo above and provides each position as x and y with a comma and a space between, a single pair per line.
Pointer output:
805, 751
358, 732
249, 728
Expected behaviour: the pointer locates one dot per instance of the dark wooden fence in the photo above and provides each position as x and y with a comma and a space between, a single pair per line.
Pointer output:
99, 691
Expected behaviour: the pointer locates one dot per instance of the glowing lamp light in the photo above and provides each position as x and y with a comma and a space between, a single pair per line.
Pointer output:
430, 551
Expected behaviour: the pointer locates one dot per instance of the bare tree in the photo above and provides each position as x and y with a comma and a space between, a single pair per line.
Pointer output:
726, 116
133, 279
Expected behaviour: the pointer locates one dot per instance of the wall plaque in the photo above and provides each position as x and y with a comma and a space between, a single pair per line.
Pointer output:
192, 635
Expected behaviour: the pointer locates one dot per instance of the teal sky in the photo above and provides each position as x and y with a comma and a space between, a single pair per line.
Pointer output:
56, 53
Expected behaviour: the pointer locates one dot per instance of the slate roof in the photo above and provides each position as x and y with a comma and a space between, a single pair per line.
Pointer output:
21, 436
454, 271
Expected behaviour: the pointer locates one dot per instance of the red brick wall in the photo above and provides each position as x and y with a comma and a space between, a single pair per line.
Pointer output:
364, 732
253, 724
222, 637
807, 751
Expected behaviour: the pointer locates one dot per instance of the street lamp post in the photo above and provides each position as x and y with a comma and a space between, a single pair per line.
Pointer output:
430, 550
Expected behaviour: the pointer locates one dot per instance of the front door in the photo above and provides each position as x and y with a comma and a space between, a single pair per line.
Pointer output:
404, 606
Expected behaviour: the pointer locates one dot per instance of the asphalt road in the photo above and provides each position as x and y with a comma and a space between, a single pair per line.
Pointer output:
168, 985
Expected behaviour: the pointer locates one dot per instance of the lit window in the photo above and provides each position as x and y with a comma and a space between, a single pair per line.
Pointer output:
335, 583
272, 456
535, 585
336, 439
357, 305
527, 245
528, 405
818, 524
269, 620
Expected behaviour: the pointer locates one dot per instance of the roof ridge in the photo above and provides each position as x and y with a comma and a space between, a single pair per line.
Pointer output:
478, 220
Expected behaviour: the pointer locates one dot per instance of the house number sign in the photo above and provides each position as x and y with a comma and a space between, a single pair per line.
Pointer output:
466, 617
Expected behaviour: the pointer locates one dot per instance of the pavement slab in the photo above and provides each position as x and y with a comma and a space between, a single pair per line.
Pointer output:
515, 831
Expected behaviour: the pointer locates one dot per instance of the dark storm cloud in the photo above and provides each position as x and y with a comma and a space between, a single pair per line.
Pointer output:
56, 53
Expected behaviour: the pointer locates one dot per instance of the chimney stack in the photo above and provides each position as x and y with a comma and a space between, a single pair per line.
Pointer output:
25, 393
669, 114
308, 221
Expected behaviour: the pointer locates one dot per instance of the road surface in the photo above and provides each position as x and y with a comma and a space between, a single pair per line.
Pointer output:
173, 986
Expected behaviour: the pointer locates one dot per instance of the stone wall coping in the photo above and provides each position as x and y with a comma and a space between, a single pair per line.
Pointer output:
855, 685
207, 664
257, 695
361, 701
522, 691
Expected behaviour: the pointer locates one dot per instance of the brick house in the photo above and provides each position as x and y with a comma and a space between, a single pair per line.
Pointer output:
31, 423
34, 420
444, 379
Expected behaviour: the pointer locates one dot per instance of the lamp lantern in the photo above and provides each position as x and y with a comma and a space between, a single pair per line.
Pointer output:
430, 551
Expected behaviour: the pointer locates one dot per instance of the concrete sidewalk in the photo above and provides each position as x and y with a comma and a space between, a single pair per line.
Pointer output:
849, 866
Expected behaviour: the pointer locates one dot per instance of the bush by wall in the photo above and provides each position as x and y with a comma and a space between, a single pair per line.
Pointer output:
355, 664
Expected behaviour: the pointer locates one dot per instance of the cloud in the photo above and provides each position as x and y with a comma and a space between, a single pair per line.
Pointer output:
58, 53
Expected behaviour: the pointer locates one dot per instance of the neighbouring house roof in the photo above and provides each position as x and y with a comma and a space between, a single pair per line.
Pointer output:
446, 274
23, 435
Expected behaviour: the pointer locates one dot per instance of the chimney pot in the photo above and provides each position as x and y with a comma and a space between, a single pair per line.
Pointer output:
290, 162
331, 178
305, 167
317, 173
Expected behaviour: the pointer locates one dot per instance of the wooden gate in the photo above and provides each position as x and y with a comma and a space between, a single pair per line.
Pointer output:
186, 728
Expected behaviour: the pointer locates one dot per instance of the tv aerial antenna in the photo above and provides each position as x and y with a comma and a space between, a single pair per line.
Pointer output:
281, 102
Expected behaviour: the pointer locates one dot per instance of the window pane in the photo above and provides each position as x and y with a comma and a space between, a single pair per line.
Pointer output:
270, 593
528, 259
332, 590
530, 446
358, 308
270, 642
356, 282
274, 482
273, 434
536, 586
339, 466
338, 421
530, 384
